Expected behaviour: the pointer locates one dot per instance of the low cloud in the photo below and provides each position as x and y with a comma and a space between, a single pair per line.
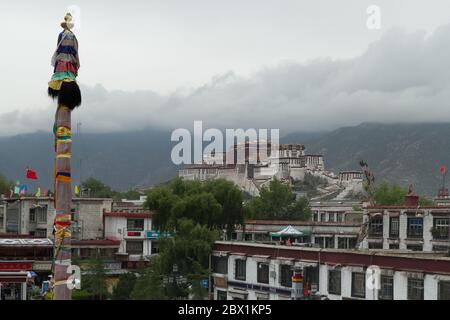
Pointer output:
403, 77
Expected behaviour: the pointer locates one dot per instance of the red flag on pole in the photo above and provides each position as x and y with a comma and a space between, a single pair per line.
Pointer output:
31, 174
442, 170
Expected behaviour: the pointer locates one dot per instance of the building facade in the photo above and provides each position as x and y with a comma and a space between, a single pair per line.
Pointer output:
247, 271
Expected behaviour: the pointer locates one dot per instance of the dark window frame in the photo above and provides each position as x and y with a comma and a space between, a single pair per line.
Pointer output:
335, 282
134, 250
286, 273
240, 269
386, 291
133, 226
415, 289
262, 274
394, 227
358, 278
444, 291
413, 228
219, 264
376, 226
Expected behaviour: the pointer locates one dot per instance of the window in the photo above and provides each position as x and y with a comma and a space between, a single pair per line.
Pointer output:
415, 227
375, 245
221, 295
135, 224
444, 290
359, 284
340, 217
286, 275
219, 264
386, 288
40, 214
155, 246
334, 282
414, 247
394, 246
346, 243
315, 217
376, 226
40, 233
329, 242
441, 228
240, 269
394, 227
440, 248
248, 237
415, 289
135, 247
32, 215
323, 217
319, 241
263, 272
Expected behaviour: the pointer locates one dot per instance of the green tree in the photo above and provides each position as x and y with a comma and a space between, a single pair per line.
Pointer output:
385, 194
97, 188
190, 250
149, 286
216, 204
124, 287
93, 282
277, 202
5, 185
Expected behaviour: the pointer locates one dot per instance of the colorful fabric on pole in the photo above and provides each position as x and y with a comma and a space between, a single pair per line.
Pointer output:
77, 190
63, 177
31, 174
38, 193
17, 190
11, 193
66, 63
442, 170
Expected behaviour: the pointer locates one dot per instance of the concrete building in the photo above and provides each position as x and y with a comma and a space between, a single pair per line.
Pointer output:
35, 216
24, 264
248, 271
138, 241
408, 227
317, 234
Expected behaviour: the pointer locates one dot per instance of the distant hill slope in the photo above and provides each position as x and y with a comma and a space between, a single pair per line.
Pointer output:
401, 153
121, 160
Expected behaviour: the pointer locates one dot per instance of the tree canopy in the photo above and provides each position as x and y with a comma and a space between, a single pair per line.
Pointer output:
5, 184
216, 204
277, 202
98, 189
189, 250
385, 194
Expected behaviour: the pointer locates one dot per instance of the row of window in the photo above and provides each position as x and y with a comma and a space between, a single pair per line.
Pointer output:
386, 291
332, 217
285, 271
414, 227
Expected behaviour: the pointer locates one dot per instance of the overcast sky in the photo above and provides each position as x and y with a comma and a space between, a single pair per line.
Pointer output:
291, 64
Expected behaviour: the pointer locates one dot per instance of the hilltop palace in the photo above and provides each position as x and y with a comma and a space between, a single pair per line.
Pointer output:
292, 165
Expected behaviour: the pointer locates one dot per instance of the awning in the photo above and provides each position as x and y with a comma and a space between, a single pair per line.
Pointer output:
289, 231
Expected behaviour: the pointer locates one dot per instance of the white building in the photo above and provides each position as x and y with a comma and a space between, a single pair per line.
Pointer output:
408, 227
247, 271
134, 231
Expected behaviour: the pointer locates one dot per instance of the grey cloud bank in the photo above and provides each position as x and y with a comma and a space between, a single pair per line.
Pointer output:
403, 77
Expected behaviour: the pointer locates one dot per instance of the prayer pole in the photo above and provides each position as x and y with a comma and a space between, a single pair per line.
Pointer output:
64, 88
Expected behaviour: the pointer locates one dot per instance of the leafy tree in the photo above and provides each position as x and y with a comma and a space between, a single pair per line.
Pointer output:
5, 184
215, 203
277, 202
97, 188
190, 250
385, 194
124, 287
149, 286
93, 283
